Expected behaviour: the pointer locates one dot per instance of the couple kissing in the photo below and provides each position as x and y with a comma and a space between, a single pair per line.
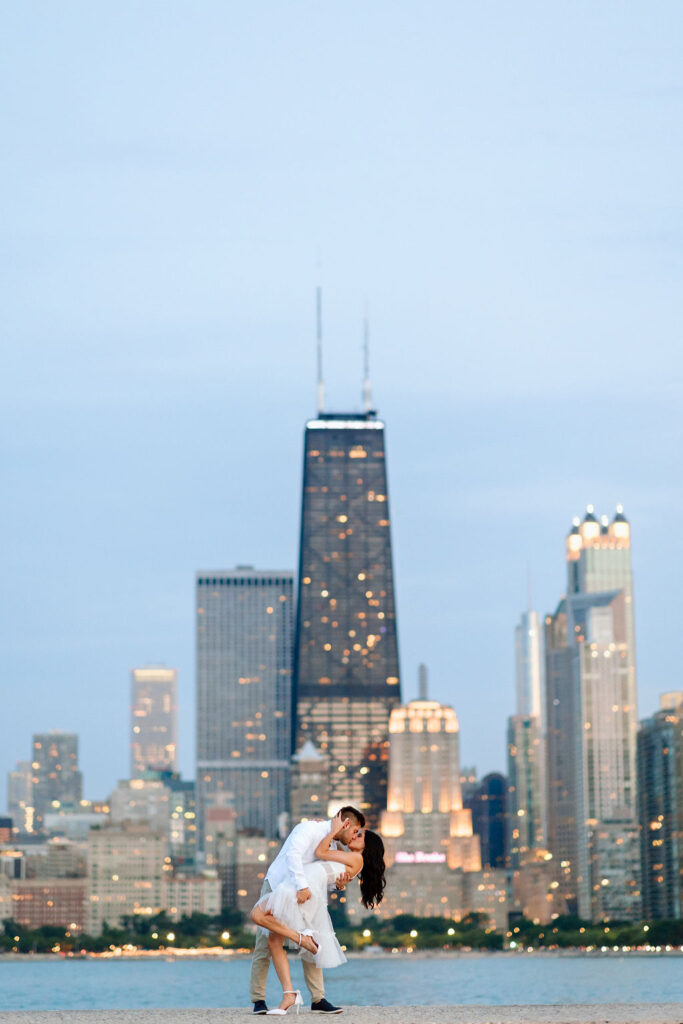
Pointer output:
316, 856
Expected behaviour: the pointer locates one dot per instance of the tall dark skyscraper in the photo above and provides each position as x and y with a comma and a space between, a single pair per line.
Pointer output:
346, 652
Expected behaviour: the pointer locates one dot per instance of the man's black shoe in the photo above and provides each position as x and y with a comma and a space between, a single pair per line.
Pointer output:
260, 1006
322, 1006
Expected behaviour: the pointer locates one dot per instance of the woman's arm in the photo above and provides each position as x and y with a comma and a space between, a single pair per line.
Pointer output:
352, 860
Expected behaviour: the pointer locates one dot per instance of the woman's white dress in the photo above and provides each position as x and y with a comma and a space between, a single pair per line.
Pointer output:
312, 915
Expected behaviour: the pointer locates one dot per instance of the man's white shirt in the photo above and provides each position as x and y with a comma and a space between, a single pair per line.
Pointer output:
299, 849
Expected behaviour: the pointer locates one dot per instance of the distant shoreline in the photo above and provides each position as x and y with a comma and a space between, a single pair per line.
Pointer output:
425, 954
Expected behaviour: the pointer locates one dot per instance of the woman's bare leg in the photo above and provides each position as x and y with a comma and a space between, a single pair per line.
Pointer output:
281, 964
278, 927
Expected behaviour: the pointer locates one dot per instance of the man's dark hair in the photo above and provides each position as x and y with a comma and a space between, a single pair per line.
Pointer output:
358, 815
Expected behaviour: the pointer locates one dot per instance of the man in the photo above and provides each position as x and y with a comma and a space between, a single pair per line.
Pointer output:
298, 849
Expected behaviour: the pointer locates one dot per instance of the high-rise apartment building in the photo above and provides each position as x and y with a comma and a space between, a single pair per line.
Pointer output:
591, 724
245, 623
526, 745
346, 651
56, 780
660, 798
153, 719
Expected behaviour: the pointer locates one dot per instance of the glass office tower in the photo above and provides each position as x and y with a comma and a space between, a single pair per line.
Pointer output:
245, 625
346, 653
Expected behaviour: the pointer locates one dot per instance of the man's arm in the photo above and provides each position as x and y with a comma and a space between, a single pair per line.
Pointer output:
299, 841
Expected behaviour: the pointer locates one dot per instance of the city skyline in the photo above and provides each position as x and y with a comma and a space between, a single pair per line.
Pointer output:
510, 208
526, 694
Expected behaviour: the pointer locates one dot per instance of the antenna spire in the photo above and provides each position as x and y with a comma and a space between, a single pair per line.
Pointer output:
367, 391
319, 343
422, 681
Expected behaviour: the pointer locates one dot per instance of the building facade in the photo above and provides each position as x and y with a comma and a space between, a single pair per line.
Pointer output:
153, 719
346, 651
245, 623
49, 901
660, 798
220, 844
56, 780
127, 867
184, 895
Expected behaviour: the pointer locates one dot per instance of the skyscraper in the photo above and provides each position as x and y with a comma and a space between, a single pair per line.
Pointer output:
525, 790
20, 797
245, 621
592, 720
346, 652
660, 798
561, 780
57, 782
526, 758
154, 719
488, 804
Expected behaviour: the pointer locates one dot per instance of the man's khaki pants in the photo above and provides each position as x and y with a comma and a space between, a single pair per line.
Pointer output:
261, 962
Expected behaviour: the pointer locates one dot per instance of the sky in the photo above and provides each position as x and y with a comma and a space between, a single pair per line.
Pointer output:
500, 182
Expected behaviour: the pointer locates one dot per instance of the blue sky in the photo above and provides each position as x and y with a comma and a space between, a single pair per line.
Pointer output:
502, 182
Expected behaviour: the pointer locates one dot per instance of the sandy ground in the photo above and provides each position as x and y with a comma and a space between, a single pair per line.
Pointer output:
650, 1013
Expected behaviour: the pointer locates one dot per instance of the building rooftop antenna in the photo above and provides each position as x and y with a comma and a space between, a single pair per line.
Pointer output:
367, 391
422, 681
319, 344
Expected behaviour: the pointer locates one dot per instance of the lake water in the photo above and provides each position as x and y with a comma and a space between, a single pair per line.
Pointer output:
496, 979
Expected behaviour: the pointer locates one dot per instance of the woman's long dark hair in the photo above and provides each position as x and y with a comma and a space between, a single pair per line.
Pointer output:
371, 878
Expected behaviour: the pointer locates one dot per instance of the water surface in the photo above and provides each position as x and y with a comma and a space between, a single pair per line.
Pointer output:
497, 979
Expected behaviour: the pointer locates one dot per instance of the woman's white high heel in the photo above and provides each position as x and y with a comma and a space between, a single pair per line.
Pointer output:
311, 934
277, 1012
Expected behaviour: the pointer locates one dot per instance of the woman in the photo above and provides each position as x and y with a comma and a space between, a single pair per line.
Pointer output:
308, 924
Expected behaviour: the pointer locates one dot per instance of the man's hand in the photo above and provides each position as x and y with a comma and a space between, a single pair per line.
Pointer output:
302, 895
342, 881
